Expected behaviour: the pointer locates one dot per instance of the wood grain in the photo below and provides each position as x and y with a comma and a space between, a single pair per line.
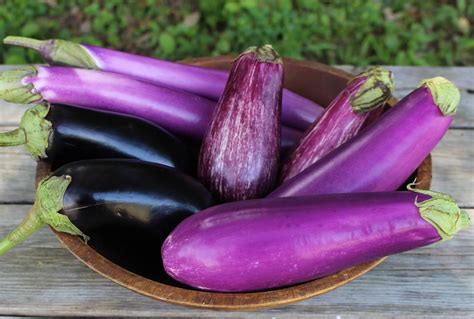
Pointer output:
454, 172
406, 79
39, 278
314, 74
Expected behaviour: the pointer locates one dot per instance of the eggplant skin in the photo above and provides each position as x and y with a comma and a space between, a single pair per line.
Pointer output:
240, 150
128, 207
80, 134
268, 243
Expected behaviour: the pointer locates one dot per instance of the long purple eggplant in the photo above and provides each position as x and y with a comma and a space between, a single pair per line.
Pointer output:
268, 243
385, 154
297, 111
240, 151
179, 112
342, 119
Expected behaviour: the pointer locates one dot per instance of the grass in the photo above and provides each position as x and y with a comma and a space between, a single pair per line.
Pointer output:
397, 32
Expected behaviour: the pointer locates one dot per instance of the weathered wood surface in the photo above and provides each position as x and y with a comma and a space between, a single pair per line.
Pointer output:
41, 278
452, 164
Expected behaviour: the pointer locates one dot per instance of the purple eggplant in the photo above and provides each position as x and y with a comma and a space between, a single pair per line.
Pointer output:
386, 153
275, 242
297, 111
240, 151
342, 119
181, 113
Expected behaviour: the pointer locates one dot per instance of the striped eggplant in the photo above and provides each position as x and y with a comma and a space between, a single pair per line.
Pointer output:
240, 151
384, 155
341, 120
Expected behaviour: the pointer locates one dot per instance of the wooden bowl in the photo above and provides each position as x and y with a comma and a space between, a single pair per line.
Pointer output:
319, 82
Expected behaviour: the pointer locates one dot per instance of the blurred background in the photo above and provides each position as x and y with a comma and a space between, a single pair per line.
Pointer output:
397, 32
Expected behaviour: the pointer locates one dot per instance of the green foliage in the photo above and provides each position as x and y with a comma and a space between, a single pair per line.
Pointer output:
358, 32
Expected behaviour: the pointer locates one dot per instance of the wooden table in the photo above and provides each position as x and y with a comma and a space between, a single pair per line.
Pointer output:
40, 278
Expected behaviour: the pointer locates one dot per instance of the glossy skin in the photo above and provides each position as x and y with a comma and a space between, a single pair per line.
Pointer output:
381, 157
297, 111
128, 208
268, 243
181, 113
80, 134
289, 137
337, 125
240, 151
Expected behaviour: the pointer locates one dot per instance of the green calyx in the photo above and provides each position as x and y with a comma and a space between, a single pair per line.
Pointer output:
442, 212
49, 199
445, 94
37, 130
264, 53
56, 52
12, 88
34, 131
45, 211
375, 92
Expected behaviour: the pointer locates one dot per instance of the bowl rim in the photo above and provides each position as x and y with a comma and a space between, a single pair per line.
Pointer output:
216, 300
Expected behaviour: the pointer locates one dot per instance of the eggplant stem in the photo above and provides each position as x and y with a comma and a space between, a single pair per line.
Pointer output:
13, 138
30, 224
45, 211
57, 51
445, 94
13, 89
375, 92
24, 42
442, 212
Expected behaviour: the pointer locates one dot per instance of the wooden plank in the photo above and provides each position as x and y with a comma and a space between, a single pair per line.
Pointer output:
453, 167
39, 278
10, 114
409, 77
17, 173
406, 79
453, 170
464, 118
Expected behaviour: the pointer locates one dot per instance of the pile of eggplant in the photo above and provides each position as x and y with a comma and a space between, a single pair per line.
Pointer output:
277, 192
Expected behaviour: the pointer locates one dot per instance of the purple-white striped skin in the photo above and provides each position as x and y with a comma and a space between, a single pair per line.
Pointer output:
240, 151
341, 120
180, 112
297, 111
268, 243
383, 156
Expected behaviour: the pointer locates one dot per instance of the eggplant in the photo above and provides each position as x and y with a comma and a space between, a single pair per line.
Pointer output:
183, 114
60, 134
341, 120
112, 203
276, 242
297, 111
240, 150
384, 155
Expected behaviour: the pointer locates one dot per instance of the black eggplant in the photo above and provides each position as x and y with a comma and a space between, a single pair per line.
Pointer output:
123, 208
60, 134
